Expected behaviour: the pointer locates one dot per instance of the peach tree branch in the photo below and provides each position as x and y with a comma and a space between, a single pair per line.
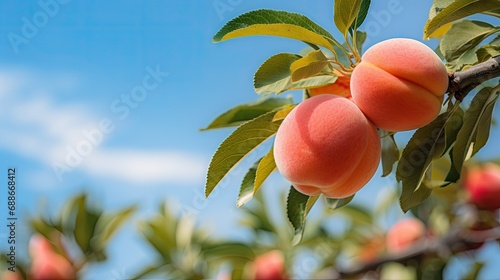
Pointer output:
457, 240
462, 82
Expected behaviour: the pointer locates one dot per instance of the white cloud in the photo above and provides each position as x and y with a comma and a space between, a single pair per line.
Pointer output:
147, 167
39, 127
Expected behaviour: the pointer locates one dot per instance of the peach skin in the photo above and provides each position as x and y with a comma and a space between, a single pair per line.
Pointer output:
270, 265
340, 87
402, 235
46, 264
327, 146
399, 84
483, 186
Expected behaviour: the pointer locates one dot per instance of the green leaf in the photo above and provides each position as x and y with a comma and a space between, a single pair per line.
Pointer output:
427, 144
317, 81
239, 144
86, 220
345, 13
410, 198
148, 270
363, 12
334, 203
247, 185
453, 174
258, 214
469, 57
438, 6
453, 126
266, 166
442, 14
308, 66
488, 51
228, 250
276, 23
274, 75
298, 206
390, 152
109, 223
248, 111
360, 40
495, 13
341, 55
42, 226
160, 232
475, 131
356, 213
463, 36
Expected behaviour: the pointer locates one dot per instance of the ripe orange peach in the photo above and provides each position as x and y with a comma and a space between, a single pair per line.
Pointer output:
340, 87
270, 265
46, 264
483, 186
371, 248
399, 84
327, 146
404, 234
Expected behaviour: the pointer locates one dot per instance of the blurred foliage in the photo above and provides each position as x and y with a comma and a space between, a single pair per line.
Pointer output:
340, 237
79, 232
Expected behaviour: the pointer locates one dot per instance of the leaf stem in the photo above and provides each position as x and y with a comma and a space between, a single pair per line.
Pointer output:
342, 48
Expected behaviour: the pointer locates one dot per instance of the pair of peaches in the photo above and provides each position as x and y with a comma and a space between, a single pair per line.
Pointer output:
329, 143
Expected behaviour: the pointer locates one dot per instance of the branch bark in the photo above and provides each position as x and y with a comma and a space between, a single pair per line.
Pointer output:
457, 240
462, 82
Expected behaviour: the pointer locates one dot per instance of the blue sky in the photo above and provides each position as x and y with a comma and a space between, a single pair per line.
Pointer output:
74, 71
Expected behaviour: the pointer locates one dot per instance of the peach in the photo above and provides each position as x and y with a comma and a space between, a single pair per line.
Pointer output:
399, 84
327, 146
483, 186
270, 265
371, 248
405, 233
46, 264
340, 87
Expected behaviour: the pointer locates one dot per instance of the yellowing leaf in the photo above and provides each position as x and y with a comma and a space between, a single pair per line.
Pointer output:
276, 23
345, 13
440, 31
254, 178
237, 145
308, 66
456, 10
281, 114
274, 75
266, 166
248, 111
312, 82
